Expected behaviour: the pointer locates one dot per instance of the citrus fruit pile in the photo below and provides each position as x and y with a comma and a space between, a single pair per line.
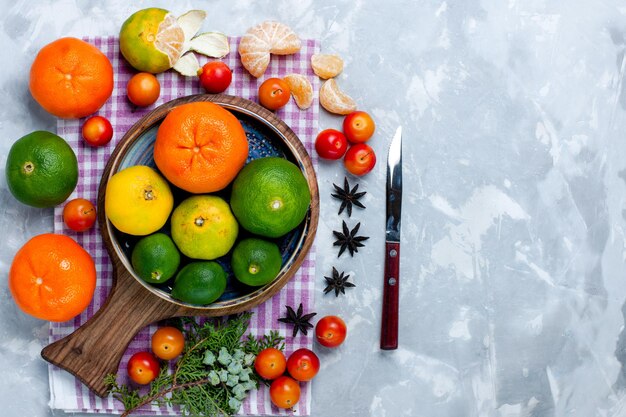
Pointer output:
69, 78
204, 217
200, 217
52, 277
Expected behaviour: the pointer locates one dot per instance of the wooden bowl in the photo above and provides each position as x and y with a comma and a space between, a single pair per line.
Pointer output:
94, 350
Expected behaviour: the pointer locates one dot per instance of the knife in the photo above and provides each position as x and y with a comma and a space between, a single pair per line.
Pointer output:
391, 285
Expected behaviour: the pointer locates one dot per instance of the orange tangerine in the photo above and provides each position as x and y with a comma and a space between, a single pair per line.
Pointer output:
200, 147
71, 78
52, 277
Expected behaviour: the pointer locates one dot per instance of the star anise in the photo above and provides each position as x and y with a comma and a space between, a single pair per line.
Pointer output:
338, 282
300, 322
349, 239
348, 197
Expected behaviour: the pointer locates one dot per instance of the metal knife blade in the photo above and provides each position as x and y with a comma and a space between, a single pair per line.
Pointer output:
391, 283
394, 187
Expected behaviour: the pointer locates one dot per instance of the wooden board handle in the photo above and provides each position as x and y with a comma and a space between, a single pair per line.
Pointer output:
391, 290
94, 350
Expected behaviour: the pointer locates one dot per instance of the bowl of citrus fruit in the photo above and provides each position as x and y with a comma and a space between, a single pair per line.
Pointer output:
209, 203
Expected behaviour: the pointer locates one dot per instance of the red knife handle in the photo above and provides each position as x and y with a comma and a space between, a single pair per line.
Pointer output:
391, 290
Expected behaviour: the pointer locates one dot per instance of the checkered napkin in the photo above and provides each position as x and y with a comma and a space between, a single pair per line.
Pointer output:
67, 392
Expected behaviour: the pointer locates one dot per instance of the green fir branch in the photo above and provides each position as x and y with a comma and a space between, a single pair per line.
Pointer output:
255, 345
193, 384
128, 397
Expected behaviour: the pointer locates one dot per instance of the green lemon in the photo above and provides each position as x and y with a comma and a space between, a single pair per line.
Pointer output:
270, 196
203, 227
155, 258
256, 262
200, 283
41, 169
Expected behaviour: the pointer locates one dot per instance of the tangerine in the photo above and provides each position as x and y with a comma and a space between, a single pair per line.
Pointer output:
200, 147
71, 78
138, 201
41, 169
151, 40
200, 283
203, 227
256, 262
264, 39
270, 197
52, 277
155, 258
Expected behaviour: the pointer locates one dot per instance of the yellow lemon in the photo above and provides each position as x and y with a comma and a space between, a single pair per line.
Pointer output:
138, 200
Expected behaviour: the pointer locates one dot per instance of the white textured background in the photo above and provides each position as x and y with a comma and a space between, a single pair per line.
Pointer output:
513, 244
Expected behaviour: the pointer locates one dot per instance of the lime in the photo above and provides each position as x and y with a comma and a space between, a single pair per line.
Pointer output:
270, 196
155, 258
203, 227
256, 262
41, 169
200, 283
138, 200
151, 40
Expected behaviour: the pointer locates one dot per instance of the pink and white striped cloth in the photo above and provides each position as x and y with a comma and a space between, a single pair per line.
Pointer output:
67, 392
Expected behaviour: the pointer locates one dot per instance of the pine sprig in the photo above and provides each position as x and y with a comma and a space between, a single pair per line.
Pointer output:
202, 400
129, 398
273, 339
189, 384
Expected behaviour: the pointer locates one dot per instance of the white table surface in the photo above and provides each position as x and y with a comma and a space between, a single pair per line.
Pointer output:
513, 237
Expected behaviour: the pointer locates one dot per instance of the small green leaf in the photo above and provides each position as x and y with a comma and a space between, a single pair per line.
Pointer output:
209, 358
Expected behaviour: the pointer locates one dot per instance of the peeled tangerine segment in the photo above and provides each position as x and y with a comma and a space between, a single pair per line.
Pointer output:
170, 39
301, 90
326, 66
264, 39
334, 100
